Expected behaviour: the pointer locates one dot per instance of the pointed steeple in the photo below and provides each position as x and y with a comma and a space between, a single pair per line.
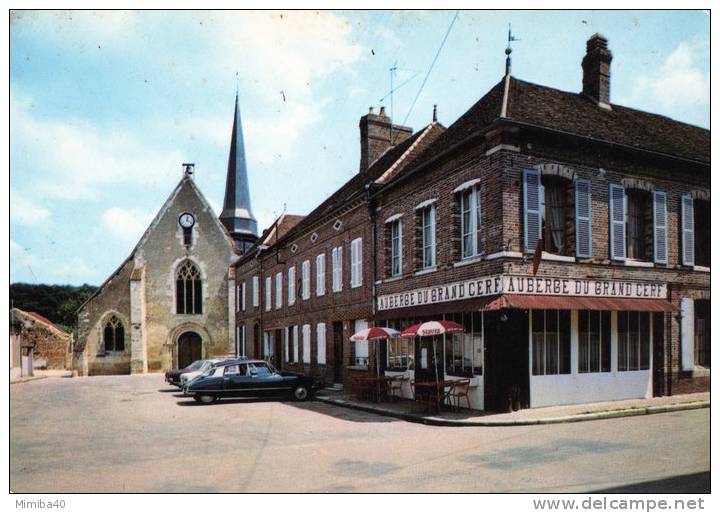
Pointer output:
237, 215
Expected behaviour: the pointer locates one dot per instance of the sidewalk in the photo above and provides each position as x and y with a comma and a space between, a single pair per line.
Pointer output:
410, 411
39, 374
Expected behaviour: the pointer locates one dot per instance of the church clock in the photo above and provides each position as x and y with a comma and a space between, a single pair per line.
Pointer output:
187, 220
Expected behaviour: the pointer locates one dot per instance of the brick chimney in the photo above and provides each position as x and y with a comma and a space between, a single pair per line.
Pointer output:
377, 134
596, 71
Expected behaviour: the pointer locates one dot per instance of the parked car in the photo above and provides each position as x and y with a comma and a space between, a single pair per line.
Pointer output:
173, 376
186, 377
249, 378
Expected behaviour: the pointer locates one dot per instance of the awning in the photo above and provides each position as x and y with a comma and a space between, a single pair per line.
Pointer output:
579, 303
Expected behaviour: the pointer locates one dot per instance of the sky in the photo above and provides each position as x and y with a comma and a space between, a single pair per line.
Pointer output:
106, 106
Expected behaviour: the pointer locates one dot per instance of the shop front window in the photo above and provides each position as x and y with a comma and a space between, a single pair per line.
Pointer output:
550, 342
401, 354
464, 351
633, 341
594, 341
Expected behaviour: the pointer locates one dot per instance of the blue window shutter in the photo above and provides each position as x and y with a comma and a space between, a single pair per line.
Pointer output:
687, 220
531, 209
583, 218
660, 227
617, 222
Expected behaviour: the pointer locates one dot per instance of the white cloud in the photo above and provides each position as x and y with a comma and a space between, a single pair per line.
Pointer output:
28, 267
126, 224
681, 81
25, 211
75, 159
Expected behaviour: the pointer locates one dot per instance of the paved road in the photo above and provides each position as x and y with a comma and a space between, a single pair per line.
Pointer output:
133, 433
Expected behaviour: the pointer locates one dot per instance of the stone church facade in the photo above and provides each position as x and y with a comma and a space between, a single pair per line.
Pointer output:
172, 300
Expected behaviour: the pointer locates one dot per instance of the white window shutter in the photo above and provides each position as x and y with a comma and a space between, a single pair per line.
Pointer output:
687, 334
287, 344
531, 209
340, 267
306, 343
583, 218
687, 220
321, 344
617, 222
291, 286
660, 227
296, 344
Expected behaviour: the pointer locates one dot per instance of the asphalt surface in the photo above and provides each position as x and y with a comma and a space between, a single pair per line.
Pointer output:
136, 434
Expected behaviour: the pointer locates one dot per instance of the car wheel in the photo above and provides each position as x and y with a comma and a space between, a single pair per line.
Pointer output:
301, 393
205, 399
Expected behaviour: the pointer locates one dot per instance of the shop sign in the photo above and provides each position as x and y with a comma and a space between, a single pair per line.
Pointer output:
528, 285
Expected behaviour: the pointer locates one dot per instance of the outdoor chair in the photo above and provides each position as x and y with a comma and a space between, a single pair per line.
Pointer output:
460, 390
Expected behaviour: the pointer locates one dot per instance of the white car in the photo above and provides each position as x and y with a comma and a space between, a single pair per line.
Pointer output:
186, 377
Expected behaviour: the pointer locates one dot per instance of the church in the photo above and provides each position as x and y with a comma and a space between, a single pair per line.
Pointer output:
172, 300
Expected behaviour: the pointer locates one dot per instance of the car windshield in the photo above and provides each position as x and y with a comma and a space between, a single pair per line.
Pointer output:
196, 365
261, 369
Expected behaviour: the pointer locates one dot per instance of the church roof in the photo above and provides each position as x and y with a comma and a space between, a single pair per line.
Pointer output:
237, 214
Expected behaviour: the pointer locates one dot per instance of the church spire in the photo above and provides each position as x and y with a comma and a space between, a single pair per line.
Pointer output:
237, 215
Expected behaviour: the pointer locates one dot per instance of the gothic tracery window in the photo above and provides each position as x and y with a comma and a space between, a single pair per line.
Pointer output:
188, 289
114, 335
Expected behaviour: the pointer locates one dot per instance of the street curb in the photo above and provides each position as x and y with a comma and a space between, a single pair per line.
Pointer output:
33, 378
436, 421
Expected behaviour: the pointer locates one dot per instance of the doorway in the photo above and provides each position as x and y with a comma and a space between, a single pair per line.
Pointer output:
337, 351
189, 348
429, 361
507, 359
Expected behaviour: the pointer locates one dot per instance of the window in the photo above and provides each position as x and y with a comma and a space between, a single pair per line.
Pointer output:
356, 263
552, 211
306, 343
337, 272
550, 342
594, 341
321, 343
464, 351
633, 341
291, 286
636, 220
256, 291
278, 290
701, 222
113, 335
269, 345
360, 348
401, 354
426, 219
231, 370
259, 369
268, 293
305, 286
702, 332
187, 236
188, 289
320, 275
470, 222
395, 244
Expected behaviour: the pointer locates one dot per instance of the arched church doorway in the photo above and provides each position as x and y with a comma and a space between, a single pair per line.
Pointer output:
189, 348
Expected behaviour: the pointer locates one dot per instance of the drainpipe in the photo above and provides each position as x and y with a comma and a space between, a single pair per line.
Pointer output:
373, 239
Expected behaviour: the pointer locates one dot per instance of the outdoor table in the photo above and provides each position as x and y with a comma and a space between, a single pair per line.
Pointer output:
434, 391
375, 387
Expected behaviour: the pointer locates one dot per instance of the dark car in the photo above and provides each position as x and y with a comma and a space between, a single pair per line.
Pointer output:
173, 376
249, 378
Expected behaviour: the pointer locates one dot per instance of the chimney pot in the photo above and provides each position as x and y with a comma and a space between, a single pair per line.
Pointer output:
434, 113
371, 110
382, 111
596, 70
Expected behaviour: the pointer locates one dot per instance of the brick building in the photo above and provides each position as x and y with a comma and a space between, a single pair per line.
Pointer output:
51, 344
569, 235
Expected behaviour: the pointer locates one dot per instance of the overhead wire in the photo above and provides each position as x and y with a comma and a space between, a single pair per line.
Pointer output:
432, 64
